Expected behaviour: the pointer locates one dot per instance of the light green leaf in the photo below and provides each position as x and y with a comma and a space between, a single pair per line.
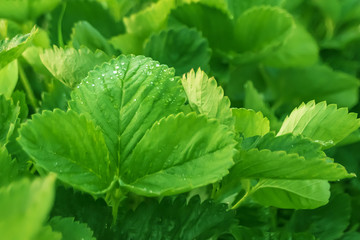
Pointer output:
71, 229
8, 116
213, 23
8, 168
318, 82
24, 206
250, 123
84, 34
205, 97
22, 10
69, 65
321, 122
299, 50
128, 43
149, 20
74, 149
236, 7
125, 97
181, 48
292, 194
13, 48
8, 78
261, 28
195, 152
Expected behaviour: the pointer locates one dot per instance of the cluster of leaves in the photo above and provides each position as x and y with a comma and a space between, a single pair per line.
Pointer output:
107, 132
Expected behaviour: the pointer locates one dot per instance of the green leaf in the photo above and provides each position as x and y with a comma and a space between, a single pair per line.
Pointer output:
8, 168
261, 28
74, 149
175, 219
321, 122
181, 48
236, 8
128, 43
19, 98
46, 233
195, 152
8, 116
292, 194
71, 12
57, 96
299, 50
318, 82
254, 100
84, 34
8, 78
125, 97
250, 123
13, 48
149, 20
213, 23
22, 10
25, 205
71, 229
205, 97
69, 65
326, 223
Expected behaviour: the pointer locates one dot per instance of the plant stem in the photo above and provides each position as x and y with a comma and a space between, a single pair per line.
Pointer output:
60, 36
26, 84
247, 185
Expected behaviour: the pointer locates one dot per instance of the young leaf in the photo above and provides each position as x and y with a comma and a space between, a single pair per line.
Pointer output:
326, 223
74, 149
236, 8
47, 233
292, 194
25, 205
8, 168
175, 219
8, 116
125, 97
8, 78
71, 229
181, 48
323, 123
151, 19
205, 97
13, 48
196, 152
69, 65
250, 123
84, 34
261, 28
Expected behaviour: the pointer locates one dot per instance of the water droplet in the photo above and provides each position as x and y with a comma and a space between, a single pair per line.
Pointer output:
157, 65
149, 73
123, 63
78, 86
114, 71
116, 67
165, 70
103, 75
134, 99
172, 79
93, 85
87, 81
151, 67
151, 83
158, 123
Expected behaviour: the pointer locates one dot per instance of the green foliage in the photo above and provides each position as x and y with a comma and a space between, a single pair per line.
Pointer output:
179, 119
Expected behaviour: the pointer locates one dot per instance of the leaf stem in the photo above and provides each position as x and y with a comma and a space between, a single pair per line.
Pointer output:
60, 36
26, 84
248, 190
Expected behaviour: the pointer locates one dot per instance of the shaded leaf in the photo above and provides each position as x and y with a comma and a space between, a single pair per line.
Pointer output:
8, 78
175, 219
71, 229
8, 117
8, 168
181, 48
